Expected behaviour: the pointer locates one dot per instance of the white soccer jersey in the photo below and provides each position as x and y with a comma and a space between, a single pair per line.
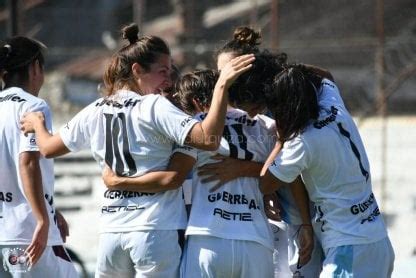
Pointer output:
332, 161
17, 222
235, 211
134, 135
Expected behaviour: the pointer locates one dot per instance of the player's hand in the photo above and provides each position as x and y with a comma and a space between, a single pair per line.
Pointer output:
306, 244
30, 120
272, 207
62, 225
110, 178
234, 68
40, 238
219, 173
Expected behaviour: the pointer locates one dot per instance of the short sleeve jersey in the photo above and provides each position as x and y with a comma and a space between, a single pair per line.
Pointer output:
17, 222
134, 135
235, 211
331, 159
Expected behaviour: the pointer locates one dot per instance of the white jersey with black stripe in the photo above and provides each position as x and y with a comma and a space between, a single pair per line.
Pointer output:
17, 222
236, 210
134, 135
331, 158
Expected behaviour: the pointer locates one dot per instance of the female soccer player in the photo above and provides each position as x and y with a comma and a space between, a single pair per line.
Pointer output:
227, 234
133, 131
229, 220
29, 232
286, 255
321, 143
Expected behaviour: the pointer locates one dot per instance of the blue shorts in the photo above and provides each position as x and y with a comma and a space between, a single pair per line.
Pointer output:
372, 260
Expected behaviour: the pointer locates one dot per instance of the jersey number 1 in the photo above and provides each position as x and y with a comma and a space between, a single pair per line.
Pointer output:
354, 148
114, 130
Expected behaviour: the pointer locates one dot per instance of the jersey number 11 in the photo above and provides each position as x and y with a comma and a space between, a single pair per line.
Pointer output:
114, 130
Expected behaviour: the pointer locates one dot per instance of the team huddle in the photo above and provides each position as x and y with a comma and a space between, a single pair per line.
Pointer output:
253, 169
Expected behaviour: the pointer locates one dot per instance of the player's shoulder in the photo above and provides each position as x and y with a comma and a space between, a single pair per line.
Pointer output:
119, 99
153, 98
155, 103
328, 86
238, 116
19, 95
328, 83
266, 121
25, 99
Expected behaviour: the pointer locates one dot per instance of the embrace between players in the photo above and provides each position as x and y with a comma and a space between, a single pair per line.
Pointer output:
260, 142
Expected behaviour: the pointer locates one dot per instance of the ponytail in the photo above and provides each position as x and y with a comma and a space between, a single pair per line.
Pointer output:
16, 54
142, 50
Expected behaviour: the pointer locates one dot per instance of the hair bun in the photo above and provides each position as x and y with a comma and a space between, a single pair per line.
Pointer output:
246, 35
131, 33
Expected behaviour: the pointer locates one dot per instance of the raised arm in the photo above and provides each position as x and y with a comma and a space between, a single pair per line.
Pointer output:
174, 176
31, 177
207, 134
49, 145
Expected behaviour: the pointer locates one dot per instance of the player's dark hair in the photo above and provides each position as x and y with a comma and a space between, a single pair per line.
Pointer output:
175, 75
16, 55
198, 85
293, 100
142, 50
245, 41
169, 92
254, 85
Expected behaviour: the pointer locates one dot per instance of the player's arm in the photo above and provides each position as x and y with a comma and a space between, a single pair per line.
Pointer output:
301, 199
207, 134
228, 169
31, 177
305, 236
49, 145
153, 182
268, 182
62, 225
272, 207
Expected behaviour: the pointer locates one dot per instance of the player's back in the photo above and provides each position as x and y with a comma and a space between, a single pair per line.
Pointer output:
14, 102
133, 135
338, 176
16, 220
234, 211
10, 106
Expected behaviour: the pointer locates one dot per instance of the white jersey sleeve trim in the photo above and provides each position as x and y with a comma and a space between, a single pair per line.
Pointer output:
186, 131
189, 151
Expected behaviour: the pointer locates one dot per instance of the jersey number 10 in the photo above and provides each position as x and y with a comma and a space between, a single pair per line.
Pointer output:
115, 129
